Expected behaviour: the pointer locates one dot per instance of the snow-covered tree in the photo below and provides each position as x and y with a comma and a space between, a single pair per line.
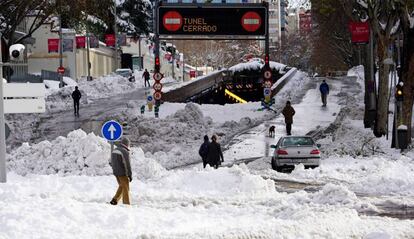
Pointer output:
133, 16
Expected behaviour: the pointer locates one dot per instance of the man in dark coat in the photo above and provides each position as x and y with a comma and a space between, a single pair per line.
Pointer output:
324, 89
121, 168
76, 96
214, 153
203, 151
146, 76
288, 112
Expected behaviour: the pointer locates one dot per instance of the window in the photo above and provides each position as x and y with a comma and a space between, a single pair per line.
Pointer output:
298, 141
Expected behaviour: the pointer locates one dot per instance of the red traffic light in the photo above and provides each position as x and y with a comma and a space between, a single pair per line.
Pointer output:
157, 61
267, 59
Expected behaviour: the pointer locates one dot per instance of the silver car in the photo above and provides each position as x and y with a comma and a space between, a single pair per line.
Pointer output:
293, 150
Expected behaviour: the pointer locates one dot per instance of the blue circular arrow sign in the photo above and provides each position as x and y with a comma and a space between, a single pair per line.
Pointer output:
149, 98
111, 130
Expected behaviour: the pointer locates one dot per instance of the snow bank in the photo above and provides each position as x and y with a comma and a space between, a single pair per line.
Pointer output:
77, 154
256, 65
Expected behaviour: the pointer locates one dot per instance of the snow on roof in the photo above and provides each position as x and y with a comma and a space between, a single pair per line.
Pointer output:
255, 65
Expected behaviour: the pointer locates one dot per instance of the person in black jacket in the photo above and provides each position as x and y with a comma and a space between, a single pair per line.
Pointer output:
76, 96
214, 153
146, 76
203, 151
121, 167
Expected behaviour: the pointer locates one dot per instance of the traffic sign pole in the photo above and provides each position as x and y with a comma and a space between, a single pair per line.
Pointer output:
3, 173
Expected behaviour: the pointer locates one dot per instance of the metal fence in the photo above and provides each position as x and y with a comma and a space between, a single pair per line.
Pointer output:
53, 75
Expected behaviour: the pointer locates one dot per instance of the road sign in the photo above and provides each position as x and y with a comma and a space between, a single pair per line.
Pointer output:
197, 19
149, 98
267, 74
7, 130
267, 84
111, 130
251, 21
267, 91
157, 95
157, 76
61, 70
157, 86
172, 21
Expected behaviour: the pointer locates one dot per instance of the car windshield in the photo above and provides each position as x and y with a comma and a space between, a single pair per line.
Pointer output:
124, 73
297, 141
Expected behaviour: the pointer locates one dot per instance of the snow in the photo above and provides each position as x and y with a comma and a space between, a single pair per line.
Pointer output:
256, 65
51, 84
69, 81
63, 185
402, 127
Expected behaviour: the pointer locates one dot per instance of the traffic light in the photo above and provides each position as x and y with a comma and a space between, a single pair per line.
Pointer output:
267, 60
399, 92
157, 64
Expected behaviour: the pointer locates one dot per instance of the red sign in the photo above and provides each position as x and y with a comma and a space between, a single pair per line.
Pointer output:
157, 95
110, 39
267, 74
192, 73
80, 42
305, 22
61, 70
359, 32
172, 21
251, 21
157, 86
53, 45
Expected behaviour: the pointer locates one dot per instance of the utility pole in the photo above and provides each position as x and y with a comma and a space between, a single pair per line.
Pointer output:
3, 174
139, 53
116, 37
60, 50
88, 56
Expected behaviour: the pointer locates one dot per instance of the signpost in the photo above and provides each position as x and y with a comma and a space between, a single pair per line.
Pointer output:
157, 95
111, 131
61, 70
157, 86
158, 76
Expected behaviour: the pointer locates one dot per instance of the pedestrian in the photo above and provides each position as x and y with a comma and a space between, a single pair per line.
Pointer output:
272, 131
76, 96
203, 151
288, 112
214, 153
146, 76
324, 89
121, 168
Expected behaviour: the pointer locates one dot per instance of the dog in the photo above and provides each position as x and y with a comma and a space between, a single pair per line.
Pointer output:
272, 131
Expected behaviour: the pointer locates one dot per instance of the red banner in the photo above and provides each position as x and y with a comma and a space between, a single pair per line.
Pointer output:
80, 42
192, 73
305, 22
359, 32
53, 45
110, 39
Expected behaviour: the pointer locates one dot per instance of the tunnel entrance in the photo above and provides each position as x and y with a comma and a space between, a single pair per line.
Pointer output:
243, 83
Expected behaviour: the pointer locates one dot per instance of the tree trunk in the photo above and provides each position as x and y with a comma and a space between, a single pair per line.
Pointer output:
382, 102
368, 87
407, 76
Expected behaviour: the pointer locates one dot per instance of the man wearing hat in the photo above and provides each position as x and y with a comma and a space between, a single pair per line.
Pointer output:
121, 168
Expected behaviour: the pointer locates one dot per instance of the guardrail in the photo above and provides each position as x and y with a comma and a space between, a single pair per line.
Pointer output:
194, 88
282, 81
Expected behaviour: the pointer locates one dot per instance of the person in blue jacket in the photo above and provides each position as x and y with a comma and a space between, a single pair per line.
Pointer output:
324, 89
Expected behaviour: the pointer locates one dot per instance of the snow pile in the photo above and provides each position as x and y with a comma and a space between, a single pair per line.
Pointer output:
77, 154
106, 86
256, 65
61, 99
174, 140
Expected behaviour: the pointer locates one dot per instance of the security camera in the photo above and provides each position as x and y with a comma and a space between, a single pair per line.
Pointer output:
16, 52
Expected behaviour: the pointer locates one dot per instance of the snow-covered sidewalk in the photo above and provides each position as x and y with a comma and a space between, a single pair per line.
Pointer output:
309, 115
